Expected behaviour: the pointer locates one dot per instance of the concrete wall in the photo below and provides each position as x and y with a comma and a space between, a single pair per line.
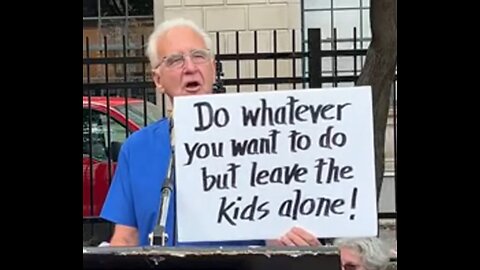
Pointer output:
227, 15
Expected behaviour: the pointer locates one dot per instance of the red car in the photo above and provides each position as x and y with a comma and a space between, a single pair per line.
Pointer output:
98, 156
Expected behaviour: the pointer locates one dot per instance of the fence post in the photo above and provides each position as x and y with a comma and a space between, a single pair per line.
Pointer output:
314, 58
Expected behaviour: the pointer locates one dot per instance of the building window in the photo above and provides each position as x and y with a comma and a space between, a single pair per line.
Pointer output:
90, 8
122, 23
114, 19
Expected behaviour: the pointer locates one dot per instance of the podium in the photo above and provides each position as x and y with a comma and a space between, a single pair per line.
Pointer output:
179, 258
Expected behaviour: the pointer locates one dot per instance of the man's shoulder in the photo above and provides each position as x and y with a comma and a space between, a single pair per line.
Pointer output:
149, 136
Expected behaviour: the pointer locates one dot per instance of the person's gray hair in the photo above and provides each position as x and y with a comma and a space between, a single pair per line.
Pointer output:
372, 250
163, 28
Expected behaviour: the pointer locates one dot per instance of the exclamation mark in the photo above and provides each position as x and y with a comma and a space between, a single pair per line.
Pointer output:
354, 202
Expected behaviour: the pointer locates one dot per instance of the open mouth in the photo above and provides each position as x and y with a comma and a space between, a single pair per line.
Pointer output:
192, 86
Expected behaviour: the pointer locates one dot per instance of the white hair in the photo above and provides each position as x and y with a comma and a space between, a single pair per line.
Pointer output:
372, 251
164, 27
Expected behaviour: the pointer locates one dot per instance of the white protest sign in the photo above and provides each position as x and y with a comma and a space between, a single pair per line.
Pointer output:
253, 165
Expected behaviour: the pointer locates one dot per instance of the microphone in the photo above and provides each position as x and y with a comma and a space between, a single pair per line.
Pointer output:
169, 180
159, 236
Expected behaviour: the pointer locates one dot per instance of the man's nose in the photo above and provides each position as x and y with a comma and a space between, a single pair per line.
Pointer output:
189, 65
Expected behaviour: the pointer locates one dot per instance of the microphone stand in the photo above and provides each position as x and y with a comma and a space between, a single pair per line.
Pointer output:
159, 235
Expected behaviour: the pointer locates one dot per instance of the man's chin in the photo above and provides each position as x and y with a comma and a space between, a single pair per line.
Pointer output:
189, 92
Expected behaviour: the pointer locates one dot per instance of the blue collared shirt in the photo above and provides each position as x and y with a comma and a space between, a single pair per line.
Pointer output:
134, 196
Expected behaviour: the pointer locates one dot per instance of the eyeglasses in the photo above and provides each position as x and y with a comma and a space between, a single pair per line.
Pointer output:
177, 60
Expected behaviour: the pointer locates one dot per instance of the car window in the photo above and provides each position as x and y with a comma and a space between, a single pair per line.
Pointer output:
95, 144
99, 134
136, 112
117, 130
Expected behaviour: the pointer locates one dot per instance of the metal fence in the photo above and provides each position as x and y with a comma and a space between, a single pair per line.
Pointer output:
113, 78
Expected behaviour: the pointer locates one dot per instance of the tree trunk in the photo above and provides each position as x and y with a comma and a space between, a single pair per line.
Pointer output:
379, 71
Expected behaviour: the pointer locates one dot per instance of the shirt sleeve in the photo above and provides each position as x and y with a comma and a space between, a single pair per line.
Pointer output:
118, 207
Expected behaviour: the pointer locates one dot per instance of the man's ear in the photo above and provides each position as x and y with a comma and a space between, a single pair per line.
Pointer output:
156, 80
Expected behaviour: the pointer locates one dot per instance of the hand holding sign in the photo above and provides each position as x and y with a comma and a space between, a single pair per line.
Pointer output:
297, 236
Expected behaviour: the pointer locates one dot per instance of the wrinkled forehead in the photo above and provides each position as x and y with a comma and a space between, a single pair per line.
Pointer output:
179, 39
